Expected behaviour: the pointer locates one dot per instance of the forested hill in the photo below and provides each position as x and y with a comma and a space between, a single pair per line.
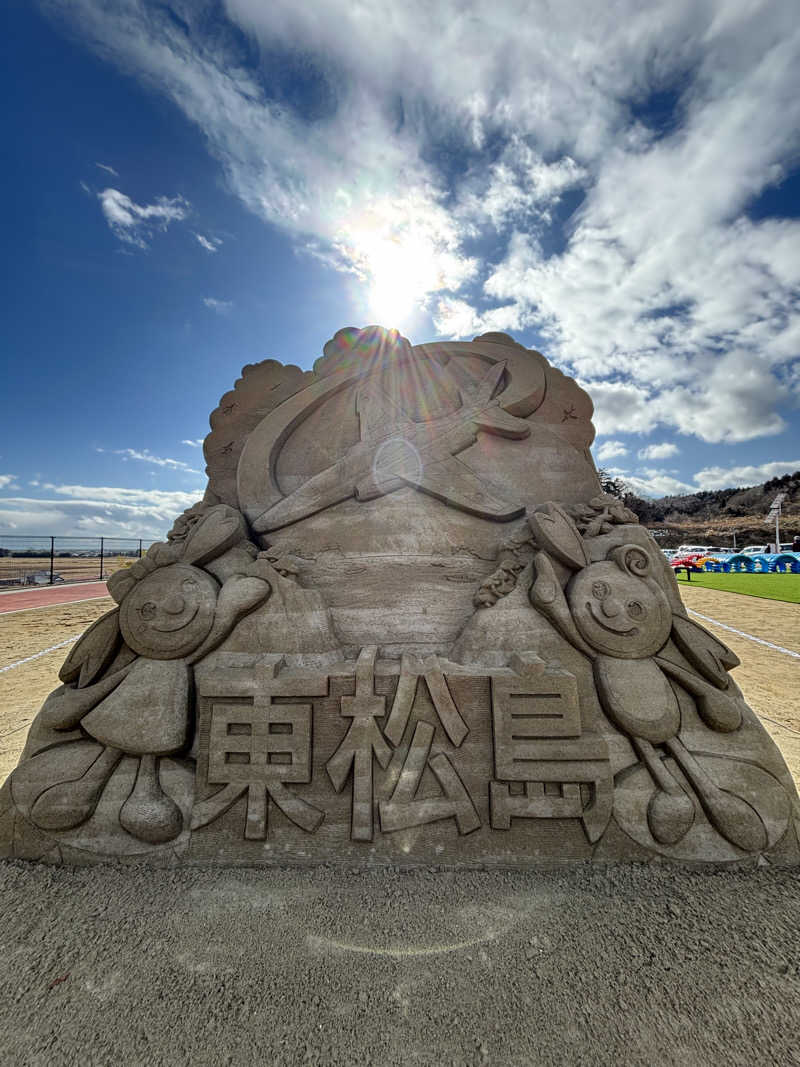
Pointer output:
711, 516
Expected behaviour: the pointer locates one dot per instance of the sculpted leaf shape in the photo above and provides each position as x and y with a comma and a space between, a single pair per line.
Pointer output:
706, 653
94, 652
555, 532
219, 530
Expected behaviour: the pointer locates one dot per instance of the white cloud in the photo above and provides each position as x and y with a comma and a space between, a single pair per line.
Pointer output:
354, 189
211, 244
656, 483
105, 167
8, 481
457, 318
610, 449
445, 137
116, 495
134, 223
725, 478
659, 451
517, 185
89, 510
733, 400
620, 407
222, 307
196, 443
145, 456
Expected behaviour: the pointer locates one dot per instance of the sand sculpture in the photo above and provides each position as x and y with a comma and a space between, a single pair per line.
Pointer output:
403, 626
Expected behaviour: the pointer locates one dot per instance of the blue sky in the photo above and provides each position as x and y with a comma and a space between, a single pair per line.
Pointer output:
195, 186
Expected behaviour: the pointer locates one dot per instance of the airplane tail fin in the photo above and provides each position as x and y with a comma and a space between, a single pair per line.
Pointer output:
491, 417
487, 386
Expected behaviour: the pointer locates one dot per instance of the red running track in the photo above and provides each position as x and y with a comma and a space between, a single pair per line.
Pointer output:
52, 594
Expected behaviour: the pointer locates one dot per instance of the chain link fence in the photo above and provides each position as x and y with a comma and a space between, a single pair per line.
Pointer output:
31, 561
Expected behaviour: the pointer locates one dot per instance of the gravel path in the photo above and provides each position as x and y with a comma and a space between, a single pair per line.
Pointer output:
633, 965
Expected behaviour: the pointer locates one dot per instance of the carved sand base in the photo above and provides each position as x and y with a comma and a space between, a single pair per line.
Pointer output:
423, 660
430, 762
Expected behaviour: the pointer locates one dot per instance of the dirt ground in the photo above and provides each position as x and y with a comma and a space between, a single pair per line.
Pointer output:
770, 680
629, 964
24, 688
634, 965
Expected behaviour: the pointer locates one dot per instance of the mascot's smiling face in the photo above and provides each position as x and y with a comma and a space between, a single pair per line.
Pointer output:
618, 609
169, 613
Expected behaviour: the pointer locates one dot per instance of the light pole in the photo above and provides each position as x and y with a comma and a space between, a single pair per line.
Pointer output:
775, 513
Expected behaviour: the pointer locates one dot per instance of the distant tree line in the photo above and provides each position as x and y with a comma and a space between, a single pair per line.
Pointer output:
705, 504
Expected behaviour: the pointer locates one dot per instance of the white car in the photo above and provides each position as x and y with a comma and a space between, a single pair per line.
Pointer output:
765, 550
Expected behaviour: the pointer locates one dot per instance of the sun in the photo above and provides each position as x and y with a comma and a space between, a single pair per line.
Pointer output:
397, 284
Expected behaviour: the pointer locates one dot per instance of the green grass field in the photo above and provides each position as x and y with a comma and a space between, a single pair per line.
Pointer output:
784, 587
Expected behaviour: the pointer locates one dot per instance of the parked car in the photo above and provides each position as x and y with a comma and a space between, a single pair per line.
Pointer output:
688, 561
41, 578
762, 550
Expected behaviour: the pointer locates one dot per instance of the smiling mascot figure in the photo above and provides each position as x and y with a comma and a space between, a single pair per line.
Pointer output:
403, 626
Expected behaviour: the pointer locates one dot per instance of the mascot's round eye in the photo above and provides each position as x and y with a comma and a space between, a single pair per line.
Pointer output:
600, 590
148, 610
636, 610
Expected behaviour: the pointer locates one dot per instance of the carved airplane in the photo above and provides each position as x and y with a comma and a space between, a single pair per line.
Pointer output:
395, 451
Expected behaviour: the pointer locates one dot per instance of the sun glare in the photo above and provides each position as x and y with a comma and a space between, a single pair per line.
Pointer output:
396, 284
401, 255
396, 268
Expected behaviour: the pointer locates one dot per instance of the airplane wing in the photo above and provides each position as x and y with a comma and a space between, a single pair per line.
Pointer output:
378, 414
453, 482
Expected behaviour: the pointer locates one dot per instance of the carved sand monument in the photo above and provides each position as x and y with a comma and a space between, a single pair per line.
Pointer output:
403, 626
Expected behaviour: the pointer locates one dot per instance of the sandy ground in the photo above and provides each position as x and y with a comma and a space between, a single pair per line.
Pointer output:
771, 620
622, 965
629, 964
769, 680
23, 689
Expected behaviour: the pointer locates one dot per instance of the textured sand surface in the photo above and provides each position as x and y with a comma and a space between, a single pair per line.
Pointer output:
24, 688
771, 620
770, 680
633, 965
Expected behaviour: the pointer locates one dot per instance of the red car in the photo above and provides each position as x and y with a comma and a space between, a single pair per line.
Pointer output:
687, 562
